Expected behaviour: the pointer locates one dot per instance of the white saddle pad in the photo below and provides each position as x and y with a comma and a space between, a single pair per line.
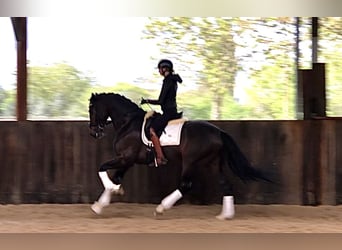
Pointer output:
171, 135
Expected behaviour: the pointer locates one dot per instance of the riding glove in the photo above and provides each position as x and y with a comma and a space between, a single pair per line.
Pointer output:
143, 101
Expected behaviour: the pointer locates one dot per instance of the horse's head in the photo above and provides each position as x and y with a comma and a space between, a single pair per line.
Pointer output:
120, 109
98, 115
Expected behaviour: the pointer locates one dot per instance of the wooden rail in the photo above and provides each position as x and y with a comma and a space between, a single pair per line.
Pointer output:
56, 162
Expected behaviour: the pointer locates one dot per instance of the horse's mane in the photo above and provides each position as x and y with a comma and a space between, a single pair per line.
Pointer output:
125, 104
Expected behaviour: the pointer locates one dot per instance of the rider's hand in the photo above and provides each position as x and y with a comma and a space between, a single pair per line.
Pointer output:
143, 101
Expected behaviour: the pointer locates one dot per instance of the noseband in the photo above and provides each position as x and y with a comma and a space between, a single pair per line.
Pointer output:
97, 127
97, 131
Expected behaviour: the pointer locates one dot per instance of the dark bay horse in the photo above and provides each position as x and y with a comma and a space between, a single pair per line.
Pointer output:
202, 145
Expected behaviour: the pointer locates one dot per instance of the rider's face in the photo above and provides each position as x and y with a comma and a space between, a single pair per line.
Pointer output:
162, 71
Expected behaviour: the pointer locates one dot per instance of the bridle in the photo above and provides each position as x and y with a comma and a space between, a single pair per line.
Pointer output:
96, 127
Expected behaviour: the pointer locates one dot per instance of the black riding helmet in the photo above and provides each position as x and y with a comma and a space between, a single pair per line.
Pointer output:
165, 63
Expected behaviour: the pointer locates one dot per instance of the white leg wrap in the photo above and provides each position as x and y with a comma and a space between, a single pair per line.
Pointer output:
105, 197
107, 183
96, 207
171, 199
228, 210
103, 201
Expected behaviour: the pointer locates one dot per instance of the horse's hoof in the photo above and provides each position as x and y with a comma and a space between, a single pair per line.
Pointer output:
97, 208
157, 214
159, 209
121, 191
224, 217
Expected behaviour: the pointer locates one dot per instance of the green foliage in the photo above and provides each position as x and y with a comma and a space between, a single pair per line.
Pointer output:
61, 91
209, 53
272, 95
330, 52
194, 106
333, 56
203, 41
224, 46
7, 103
330, 29
233, 110
133, 92
57, 91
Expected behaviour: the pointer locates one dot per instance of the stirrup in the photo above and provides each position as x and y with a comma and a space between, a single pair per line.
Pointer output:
155, 163
162, 161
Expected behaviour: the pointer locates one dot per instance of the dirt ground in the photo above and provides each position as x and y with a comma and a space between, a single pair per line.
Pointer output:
139, 218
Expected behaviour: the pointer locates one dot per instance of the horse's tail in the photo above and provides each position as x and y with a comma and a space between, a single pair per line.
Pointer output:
238, 162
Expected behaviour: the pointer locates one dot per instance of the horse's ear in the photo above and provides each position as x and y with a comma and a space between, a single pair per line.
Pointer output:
93, 96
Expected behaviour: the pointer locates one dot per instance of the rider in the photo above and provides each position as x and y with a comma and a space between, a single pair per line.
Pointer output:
168, 103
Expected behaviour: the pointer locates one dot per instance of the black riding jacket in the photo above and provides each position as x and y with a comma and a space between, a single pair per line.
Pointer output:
168, 93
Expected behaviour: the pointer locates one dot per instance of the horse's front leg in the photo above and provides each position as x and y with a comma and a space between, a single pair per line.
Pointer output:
109, 187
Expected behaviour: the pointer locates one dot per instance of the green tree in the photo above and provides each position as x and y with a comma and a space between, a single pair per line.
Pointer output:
268, 59
225, 46
7, 103
57, 91
207, 42
272, 94
133, 92
330, 52
333, 58
195, 106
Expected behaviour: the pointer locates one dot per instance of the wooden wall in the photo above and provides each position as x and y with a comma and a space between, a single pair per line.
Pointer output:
57, 162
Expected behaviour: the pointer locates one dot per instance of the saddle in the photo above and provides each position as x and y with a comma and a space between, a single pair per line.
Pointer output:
171, 133
151, 117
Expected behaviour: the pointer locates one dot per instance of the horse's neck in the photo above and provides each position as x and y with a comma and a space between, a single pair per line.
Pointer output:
115, 114
121, 121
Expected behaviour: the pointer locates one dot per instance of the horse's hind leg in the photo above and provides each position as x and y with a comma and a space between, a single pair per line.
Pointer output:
228, 210
171, 199
188, 171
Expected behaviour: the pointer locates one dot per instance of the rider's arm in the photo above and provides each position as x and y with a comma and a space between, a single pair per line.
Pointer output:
162, 95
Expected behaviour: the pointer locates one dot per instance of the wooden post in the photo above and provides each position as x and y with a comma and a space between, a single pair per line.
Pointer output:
312, 84
20, 30
314, 26
312, 163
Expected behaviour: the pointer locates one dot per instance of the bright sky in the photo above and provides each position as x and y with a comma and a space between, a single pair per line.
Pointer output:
8, 54
108, 48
